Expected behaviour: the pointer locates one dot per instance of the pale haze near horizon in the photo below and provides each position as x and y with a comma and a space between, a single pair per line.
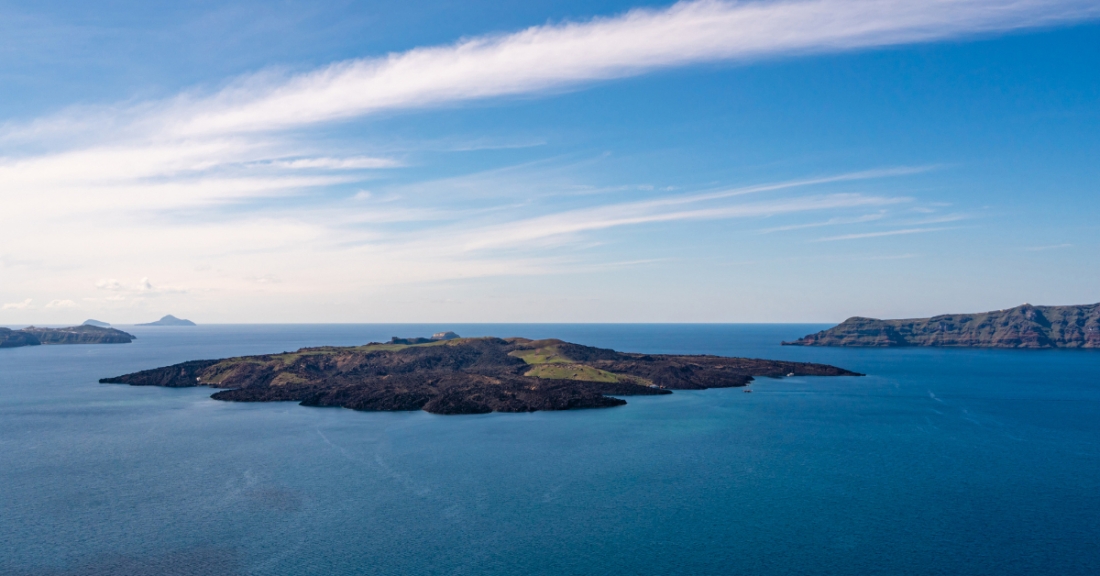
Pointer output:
547, 162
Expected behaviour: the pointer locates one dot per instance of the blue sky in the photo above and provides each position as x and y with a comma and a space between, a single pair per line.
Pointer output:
546, 161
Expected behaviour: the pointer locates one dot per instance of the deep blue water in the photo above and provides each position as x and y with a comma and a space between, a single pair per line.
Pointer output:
937, 462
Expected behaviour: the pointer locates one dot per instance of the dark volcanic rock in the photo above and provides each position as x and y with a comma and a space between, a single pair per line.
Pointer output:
463, 376
1024, 326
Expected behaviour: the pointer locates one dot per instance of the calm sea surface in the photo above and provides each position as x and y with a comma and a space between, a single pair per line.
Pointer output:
937, 462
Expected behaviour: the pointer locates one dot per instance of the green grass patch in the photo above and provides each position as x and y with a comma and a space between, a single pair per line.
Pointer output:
548, 355
561, 371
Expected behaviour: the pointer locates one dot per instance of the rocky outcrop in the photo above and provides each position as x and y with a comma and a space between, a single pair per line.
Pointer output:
464, 375
1024, 326
33, 336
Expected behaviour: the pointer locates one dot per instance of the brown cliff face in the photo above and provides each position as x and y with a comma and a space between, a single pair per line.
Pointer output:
1024, 326
464, 376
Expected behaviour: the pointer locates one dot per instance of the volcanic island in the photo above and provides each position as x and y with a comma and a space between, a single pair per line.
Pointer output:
452, 375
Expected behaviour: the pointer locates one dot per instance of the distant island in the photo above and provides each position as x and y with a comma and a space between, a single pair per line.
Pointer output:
86, 334
1024, 326
464, 375
169, 320
97, 323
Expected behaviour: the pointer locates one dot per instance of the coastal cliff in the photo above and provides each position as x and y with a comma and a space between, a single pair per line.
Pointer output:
464, 375
1024, 326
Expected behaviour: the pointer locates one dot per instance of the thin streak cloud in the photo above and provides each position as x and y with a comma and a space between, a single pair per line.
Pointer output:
880, 234
636, 213
829, 222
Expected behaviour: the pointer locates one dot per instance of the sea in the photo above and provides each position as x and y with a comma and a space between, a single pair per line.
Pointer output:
938, 461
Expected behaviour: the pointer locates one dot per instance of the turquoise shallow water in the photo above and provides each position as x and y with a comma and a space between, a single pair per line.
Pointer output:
937, 462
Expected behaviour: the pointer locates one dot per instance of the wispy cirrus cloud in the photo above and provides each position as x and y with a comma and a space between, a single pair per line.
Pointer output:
862, 235
1050, 247
245, 125
561, 55
830, 222
555, 56
652, 212
352, 163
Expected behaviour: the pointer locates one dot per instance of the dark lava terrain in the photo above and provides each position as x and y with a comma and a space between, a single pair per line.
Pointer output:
464, 375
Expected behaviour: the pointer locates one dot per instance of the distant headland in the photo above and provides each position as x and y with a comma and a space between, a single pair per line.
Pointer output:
447, 374
85, 334
1024, 326
169, 320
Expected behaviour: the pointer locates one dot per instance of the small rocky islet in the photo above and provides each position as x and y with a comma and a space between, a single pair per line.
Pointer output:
1024, 326
451, 375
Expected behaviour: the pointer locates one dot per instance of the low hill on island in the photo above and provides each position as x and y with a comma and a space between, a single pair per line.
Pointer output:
1024, 326
464, 375
86, 334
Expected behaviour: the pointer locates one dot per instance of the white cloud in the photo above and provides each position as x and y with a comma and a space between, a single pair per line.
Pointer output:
112, 284
61, 304
353, 163
18, 305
